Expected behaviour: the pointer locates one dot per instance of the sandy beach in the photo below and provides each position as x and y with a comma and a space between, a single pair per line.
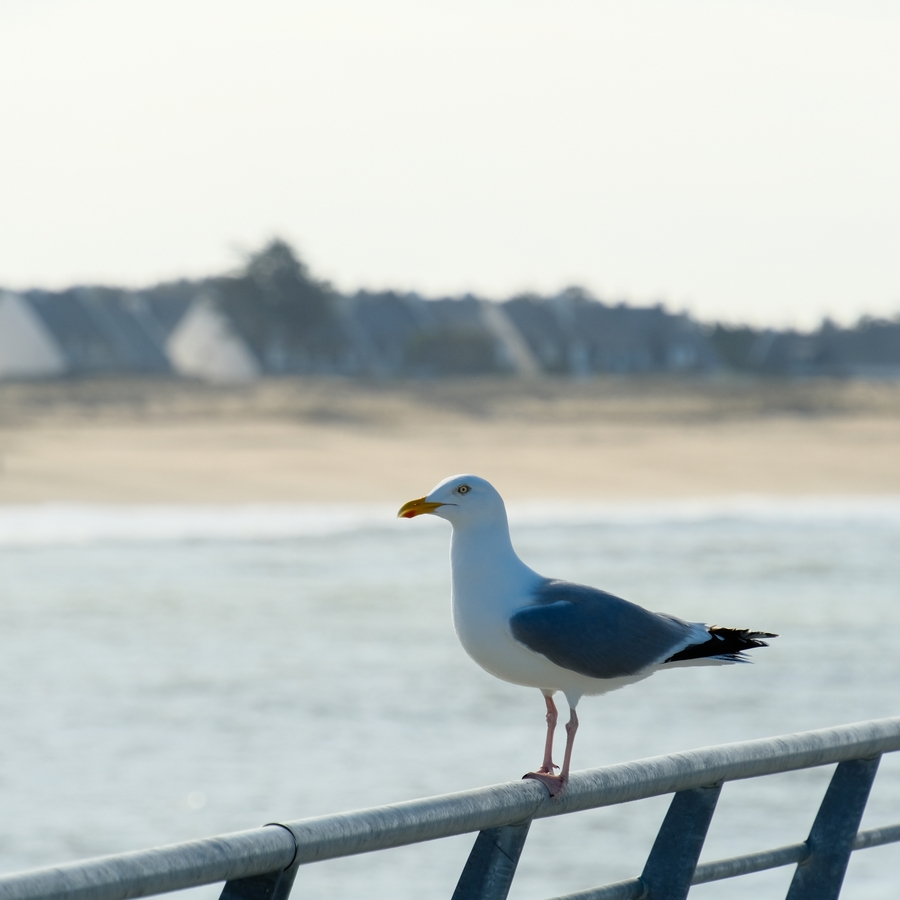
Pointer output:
306, 440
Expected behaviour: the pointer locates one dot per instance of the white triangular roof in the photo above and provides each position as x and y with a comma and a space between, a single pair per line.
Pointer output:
205, 345
519, 354
27, 348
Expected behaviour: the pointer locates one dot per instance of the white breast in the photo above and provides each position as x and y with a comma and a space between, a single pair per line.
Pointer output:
490, 583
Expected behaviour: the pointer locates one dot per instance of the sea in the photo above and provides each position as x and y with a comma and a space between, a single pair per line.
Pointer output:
175, 672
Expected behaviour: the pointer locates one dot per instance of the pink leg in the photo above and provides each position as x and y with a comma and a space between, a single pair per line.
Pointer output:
556, 784
547, 766
571, 728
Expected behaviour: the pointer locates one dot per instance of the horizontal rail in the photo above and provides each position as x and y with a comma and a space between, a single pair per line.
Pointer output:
262, 850
160, 870
877, 837
366, 830
720, 869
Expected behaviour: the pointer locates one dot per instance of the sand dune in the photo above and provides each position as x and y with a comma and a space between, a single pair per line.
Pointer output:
302, 440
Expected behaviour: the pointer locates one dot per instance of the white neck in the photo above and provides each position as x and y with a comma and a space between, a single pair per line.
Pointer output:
482, 558
489, 583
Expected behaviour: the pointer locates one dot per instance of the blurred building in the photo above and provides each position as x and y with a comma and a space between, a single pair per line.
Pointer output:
575, 334
871, 349
27, 347
272, 317
102, 331
204, 344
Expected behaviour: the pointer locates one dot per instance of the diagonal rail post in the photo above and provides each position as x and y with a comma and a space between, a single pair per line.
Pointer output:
673, 858
275, 885
830, 842
271, 886
489, 870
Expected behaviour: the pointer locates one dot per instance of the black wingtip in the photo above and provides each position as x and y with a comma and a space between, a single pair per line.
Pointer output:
724, 643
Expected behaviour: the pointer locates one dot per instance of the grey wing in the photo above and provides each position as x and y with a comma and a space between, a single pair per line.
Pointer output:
597, 634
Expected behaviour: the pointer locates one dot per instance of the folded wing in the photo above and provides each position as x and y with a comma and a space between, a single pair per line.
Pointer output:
600, 635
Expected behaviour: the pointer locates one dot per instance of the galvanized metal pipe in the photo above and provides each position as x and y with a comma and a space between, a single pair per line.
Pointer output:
720, 869
491, 865
726, 762
347, 834
267, 849
673, 857
834, 829
157, 871
876, 837
631, 889
732, 867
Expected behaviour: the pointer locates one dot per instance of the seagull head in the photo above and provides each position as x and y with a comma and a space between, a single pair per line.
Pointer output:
460, 499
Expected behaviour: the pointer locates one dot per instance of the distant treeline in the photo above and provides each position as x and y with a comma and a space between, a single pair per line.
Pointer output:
274, 317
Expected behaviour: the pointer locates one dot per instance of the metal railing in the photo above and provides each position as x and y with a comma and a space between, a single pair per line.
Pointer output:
261, 864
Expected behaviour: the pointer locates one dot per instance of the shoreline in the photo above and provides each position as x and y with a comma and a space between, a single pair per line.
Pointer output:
34, 526
314, 441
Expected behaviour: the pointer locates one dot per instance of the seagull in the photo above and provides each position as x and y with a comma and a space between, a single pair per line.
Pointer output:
550, 634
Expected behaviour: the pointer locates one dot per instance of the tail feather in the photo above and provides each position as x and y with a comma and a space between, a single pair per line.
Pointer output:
724, 643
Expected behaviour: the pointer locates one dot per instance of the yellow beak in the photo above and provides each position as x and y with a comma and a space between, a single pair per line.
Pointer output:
417, 508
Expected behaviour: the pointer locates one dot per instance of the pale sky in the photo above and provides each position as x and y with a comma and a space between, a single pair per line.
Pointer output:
739, 159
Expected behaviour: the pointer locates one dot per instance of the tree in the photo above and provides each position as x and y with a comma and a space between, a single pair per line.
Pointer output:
284, 314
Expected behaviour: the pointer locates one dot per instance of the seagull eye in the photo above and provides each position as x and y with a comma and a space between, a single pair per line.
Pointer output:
463, 489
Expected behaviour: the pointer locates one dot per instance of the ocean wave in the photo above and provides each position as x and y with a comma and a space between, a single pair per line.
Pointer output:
737, 508
79, 524
63, 524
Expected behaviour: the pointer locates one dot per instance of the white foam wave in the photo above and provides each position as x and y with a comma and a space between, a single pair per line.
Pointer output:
748, 508
79, 524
